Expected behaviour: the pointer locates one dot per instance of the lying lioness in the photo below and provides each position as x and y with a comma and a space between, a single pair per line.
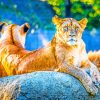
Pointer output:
65, 53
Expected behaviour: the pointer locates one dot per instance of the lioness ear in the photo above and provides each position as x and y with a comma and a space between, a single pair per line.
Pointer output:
25, 27
83, 23
56, 20
1, 25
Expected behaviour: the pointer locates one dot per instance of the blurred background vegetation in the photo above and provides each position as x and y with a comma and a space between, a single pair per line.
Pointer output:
78, 9
39, 13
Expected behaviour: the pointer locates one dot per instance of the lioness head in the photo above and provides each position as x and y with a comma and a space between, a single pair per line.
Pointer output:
14, 33
69, 30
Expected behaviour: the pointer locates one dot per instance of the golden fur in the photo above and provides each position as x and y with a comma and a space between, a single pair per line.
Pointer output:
95, 58
65, 53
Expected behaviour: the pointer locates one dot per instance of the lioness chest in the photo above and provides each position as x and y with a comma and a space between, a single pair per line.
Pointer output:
70, 55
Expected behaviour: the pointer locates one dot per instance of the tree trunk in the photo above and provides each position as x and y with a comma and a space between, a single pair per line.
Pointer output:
67, 8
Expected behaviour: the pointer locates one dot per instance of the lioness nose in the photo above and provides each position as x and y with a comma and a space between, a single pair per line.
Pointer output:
72, 35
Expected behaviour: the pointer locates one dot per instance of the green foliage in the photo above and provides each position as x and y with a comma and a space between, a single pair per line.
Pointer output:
79, 9
58, 6
89, 9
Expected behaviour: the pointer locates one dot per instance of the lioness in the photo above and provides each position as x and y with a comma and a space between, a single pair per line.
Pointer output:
65, 53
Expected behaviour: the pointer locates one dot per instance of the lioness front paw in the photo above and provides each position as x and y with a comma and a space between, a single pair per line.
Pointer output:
96, 80
92, 89
95, 76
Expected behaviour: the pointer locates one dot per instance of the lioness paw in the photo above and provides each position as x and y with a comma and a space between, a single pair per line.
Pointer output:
96, 80
93, 89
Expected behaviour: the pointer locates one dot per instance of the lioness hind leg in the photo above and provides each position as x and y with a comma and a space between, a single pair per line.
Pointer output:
82, 76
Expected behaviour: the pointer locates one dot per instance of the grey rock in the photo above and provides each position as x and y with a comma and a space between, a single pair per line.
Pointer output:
43, 86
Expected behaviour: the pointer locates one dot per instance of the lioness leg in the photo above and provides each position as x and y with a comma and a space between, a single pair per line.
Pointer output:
2, 71
82, 76
93, 72
95, 75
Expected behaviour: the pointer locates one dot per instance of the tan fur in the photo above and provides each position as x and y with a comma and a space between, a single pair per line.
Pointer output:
65, 53
95, 58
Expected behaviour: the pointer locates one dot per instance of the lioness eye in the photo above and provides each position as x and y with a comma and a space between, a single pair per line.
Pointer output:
76, 29
65, 29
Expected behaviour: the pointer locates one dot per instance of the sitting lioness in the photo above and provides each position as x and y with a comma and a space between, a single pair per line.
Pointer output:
65, 53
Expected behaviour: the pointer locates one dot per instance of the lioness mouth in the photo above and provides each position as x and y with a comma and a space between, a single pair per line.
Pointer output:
72, 41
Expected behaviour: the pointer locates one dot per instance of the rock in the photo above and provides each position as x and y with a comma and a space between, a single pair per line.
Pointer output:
43, 86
